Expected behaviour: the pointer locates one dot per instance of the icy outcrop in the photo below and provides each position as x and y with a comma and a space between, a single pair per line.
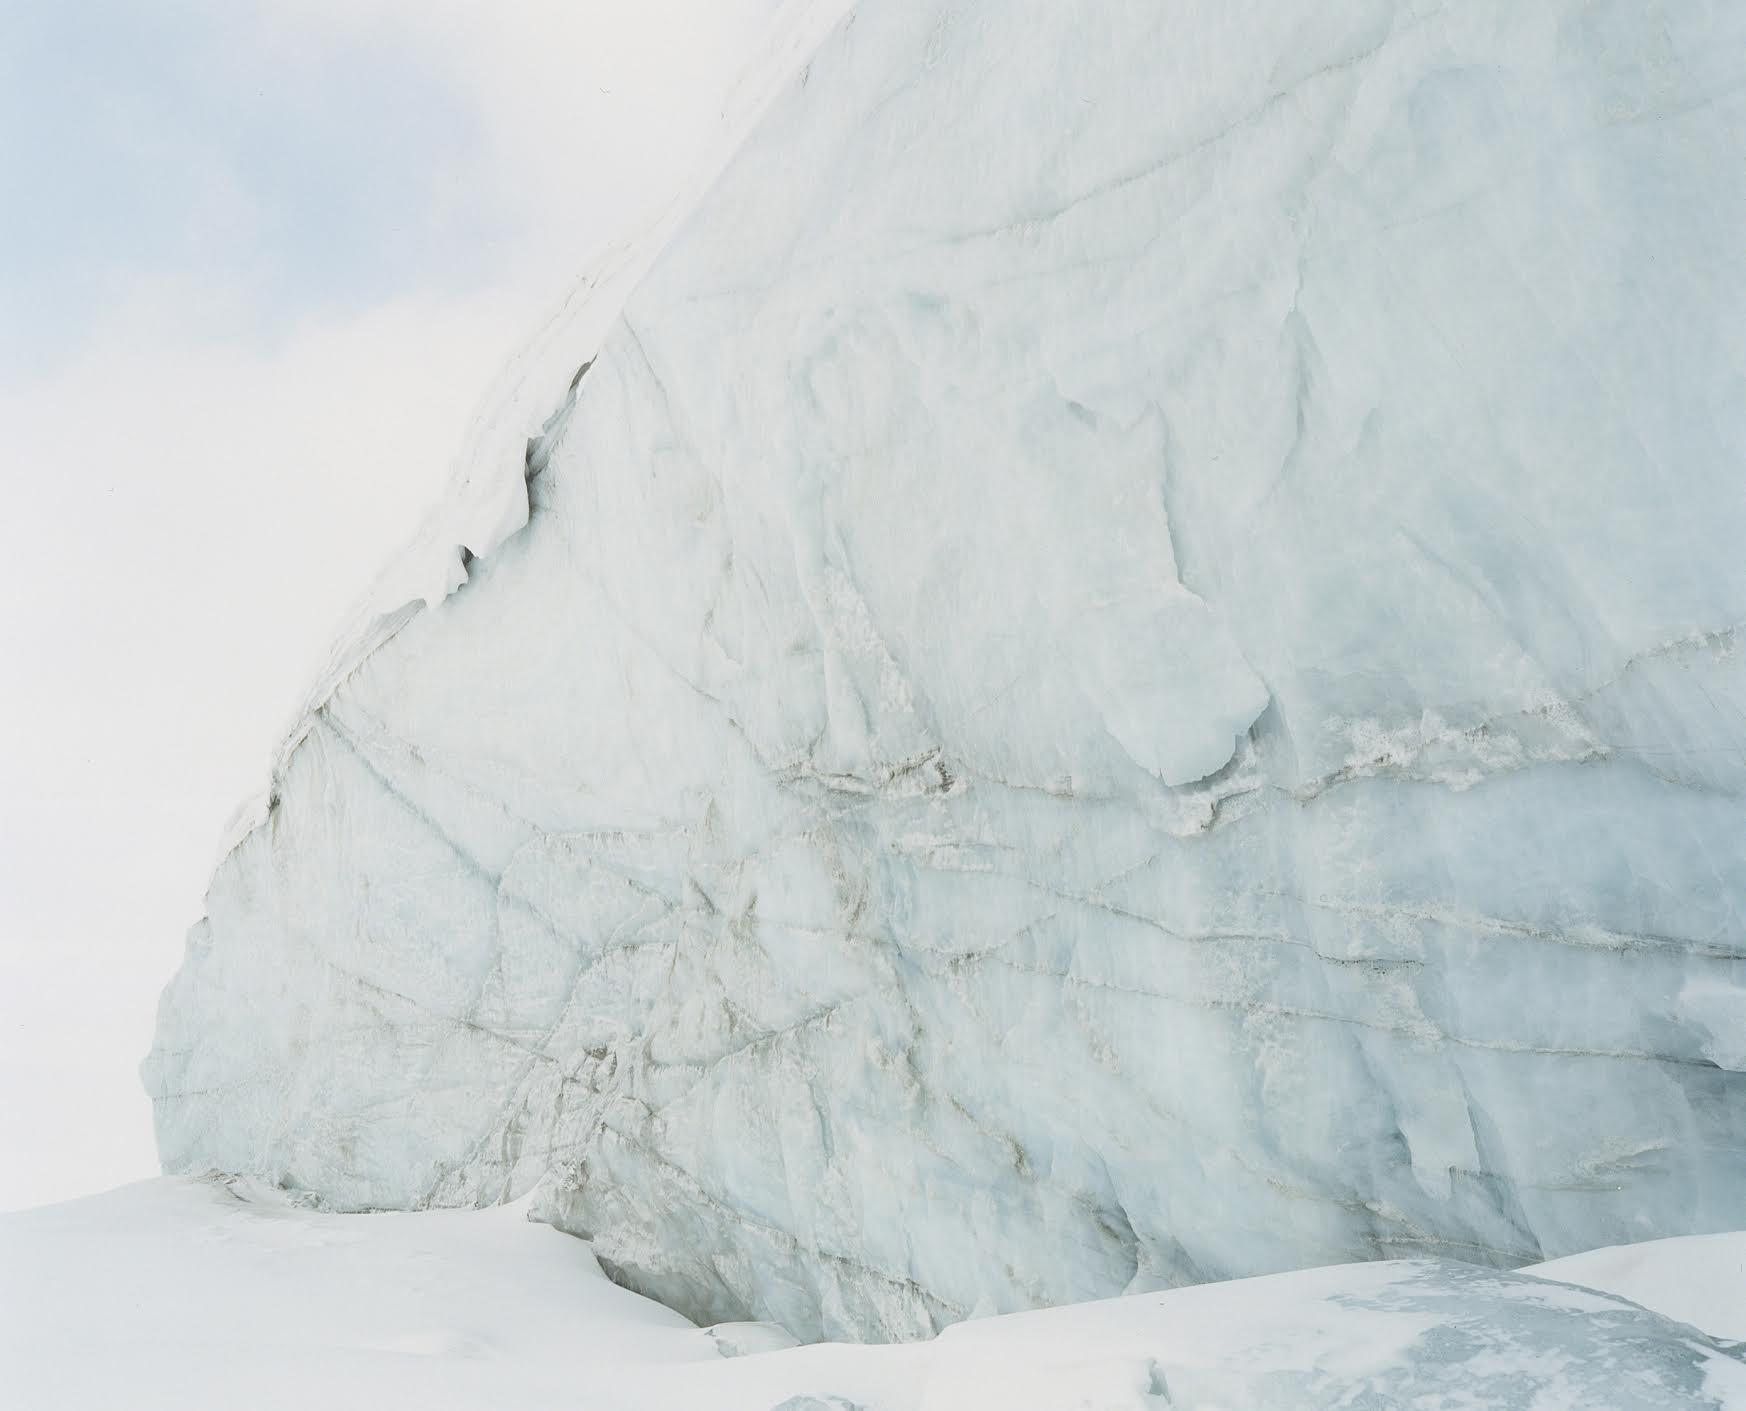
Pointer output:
486, 501
1126, 669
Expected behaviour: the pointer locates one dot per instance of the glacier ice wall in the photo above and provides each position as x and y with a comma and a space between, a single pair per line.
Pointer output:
1126, 668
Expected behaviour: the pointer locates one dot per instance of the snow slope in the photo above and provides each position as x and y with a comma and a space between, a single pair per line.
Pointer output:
192, 1297
1125, 670
1696, 1279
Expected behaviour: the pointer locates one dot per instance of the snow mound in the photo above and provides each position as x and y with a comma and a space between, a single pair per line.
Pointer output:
192, 1296
1696, 1279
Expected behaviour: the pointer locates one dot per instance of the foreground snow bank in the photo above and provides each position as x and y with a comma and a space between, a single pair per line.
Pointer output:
178, 1293
1700, 1279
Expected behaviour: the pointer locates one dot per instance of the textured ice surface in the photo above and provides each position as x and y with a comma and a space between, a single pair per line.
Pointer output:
179, 1295
486, 501
1432, 1335
1125, 670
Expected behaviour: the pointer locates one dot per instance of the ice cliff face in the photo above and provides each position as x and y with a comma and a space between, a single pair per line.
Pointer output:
1125, 669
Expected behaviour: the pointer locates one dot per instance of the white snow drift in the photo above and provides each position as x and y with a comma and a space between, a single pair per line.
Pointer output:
193, 1297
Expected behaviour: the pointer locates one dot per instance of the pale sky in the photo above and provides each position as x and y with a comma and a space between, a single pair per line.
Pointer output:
258, 262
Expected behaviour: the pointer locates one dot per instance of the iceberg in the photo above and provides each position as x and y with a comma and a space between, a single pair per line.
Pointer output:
1117, 664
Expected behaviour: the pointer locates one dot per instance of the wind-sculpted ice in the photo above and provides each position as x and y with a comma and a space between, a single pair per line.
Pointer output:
1125, 670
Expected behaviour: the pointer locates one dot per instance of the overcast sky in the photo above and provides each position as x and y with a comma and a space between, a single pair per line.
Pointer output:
258, 262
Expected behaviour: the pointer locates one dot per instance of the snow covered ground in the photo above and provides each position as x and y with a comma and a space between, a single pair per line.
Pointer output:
187, 1294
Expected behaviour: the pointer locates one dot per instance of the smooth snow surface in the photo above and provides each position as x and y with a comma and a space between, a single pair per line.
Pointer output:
1697, 1279
1125, 670
192, 1297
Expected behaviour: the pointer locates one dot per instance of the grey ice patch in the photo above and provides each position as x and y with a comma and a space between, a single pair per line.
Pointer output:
748, 1339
